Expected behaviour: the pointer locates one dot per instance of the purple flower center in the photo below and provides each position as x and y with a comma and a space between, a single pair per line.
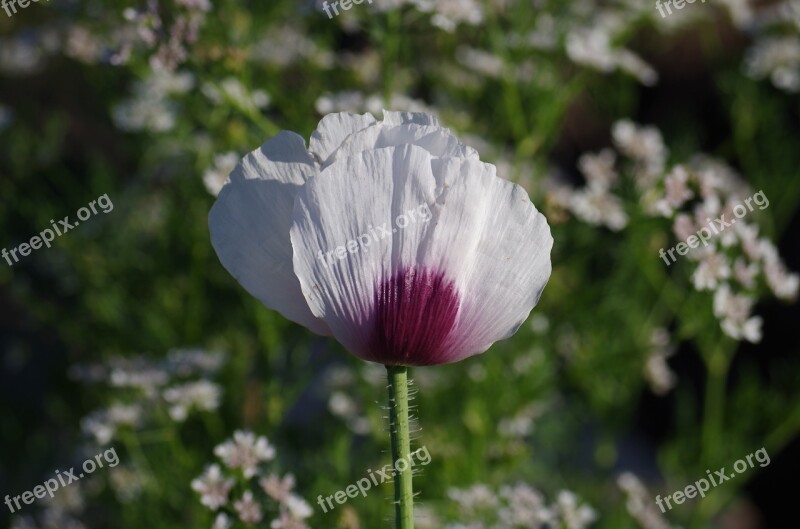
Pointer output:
415, 312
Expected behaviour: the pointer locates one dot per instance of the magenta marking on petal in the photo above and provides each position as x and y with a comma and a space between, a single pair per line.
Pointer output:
415, 313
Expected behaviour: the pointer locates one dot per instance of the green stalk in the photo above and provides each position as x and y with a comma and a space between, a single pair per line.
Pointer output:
401, 446
714, 414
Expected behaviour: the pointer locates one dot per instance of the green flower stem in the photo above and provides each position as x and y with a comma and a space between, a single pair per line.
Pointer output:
401, 446
718, 366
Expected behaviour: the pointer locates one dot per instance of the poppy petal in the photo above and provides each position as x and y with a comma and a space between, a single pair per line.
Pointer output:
250, 221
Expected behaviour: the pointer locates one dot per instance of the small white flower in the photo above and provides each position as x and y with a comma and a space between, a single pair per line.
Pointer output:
298, 507
213, 487
676, 187
599, 169
599, 207
713, 269
734, 310
683, 226
248, 510
573, 515
642, 144
782, 283
745, 273
245, 451
276, 488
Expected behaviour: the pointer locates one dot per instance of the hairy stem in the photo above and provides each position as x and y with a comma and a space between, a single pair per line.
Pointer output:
401, 446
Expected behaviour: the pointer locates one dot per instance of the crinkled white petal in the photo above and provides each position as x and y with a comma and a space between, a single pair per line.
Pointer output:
332, 131
439, 142
250, 223
492, 236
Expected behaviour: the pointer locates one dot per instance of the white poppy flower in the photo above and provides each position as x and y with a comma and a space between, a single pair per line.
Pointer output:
390, 235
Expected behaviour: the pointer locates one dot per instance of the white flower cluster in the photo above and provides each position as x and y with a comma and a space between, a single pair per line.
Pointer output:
245, 453
140, 386
593, 47
145, 29
152, 108
517, 506
590, 36
775, 53
690, 195
596, 202
445, 14
777, 58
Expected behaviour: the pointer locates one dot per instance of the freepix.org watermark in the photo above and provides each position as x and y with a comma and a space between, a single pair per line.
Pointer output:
714, 227
421, 213
363, 485
701, 486
344, 4
677, 4
47, 235
11, 5
66, 478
